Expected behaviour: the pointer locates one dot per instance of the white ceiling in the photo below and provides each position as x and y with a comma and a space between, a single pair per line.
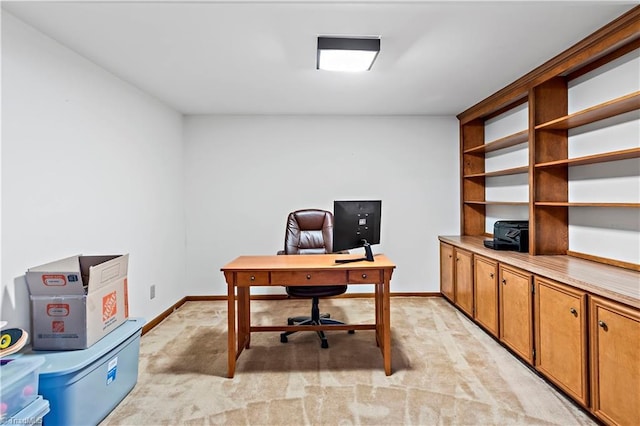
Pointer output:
258, 57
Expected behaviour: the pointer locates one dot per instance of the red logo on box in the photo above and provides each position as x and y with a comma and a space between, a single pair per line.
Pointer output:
57, 326
109, 306
58, 309
54, 280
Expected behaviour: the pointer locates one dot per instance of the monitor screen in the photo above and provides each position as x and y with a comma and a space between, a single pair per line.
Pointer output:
356, 224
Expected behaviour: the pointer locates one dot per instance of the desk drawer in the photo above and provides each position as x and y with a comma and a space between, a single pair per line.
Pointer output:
365, 276
252, 278
310, 278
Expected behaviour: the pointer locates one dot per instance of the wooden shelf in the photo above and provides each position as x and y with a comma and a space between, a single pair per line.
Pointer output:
499, 203
624, 154
572, 204
505, 172
506, 142
608, 109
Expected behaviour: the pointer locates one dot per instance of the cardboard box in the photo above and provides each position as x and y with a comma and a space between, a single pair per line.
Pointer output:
77, 301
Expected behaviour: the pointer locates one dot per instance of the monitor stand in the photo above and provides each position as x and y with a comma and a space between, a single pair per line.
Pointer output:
367, 252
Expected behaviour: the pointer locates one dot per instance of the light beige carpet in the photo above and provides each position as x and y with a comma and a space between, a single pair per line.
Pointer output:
446, 371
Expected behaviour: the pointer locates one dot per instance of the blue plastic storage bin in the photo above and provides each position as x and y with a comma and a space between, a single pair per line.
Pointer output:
84, 386
32, 414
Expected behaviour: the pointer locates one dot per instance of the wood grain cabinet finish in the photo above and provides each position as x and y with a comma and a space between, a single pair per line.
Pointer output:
252, 278
447, 287
561, 337
485, 284
364, 276
516, 315
464, 280
615, 362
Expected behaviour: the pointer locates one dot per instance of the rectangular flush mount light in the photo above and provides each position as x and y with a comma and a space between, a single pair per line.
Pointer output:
349, 54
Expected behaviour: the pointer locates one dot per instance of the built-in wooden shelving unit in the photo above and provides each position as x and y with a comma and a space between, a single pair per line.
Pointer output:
545, 91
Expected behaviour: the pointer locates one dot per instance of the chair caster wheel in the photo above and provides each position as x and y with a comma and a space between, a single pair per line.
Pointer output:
351, 332
283, 338
324, 344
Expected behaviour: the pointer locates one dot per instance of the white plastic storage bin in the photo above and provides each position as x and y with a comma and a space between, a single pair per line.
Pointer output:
84, 386
32, 414
18, 385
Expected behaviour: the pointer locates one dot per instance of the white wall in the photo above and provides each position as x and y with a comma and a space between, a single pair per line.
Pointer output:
89, 165
244, 174
612, 233
93, 165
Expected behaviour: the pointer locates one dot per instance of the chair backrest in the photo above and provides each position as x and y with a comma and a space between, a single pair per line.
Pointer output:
309, 231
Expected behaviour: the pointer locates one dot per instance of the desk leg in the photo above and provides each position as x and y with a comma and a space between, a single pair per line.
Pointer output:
244, 318
386, 323
231, 317
378, 303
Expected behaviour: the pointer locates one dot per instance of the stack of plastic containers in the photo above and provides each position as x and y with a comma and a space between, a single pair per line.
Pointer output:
19, 399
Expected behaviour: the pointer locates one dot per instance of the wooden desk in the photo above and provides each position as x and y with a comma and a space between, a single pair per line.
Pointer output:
247, 271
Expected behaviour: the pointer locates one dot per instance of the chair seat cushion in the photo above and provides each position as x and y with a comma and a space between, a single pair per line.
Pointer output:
316, 291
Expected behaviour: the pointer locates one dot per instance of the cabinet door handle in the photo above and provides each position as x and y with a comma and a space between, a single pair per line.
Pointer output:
491, 275
573, 311
504, 282
602, 324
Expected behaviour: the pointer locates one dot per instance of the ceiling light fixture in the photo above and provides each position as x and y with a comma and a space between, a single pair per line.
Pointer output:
350, 54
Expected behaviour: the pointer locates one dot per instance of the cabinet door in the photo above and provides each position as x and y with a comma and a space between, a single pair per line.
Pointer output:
464, 280
615, 362
516, 319
446, 272
561, 337
485, 283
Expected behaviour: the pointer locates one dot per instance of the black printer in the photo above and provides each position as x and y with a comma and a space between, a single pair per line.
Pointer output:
510, 235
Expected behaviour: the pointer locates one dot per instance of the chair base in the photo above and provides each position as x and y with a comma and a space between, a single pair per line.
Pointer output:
316, 318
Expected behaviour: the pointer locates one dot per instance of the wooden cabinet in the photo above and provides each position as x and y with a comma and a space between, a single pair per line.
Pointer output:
464, 280
446, 272
456, 277
615, 362
516, 315
485, 272
576, 321
561, 337
574, 179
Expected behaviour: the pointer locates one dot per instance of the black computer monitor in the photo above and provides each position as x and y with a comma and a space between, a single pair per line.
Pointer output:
356, 224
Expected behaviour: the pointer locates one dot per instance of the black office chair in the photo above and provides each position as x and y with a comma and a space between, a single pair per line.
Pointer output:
310, 231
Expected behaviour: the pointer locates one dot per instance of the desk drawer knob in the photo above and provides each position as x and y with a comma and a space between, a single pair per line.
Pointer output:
308, 276
364, 275
253, 278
